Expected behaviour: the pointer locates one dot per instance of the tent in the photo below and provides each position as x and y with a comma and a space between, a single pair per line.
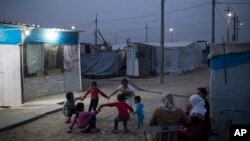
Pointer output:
230, 83
100, 64
178, 57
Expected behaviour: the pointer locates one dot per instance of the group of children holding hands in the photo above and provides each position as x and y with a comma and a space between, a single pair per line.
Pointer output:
86, 121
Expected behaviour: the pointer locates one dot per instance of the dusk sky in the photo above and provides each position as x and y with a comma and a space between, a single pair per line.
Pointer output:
191, 19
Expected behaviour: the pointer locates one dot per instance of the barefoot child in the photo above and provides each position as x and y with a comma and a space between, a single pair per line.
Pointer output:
69, 106
86, 121
139, 112
94, 91
123, 114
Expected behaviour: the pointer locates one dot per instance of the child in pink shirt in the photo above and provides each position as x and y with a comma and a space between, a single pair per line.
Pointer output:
86, 121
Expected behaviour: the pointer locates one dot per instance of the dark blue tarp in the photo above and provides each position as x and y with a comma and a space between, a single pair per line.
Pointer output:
103, 63
229, 60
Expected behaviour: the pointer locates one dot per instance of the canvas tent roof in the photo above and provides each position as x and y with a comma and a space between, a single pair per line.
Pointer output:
217, 49
172, 44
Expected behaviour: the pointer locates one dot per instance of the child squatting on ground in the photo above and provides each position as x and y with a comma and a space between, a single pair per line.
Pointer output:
94, 91
86, 121
69, 106
138, 111
123, 114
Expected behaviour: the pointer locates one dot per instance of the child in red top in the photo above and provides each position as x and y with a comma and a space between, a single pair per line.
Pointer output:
123, 114
94, 91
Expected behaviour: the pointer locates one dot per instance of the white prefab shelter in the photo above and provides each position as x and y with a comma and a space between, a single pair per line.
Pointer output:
178, 57
230, 83
42, 63
139, 60
10, 68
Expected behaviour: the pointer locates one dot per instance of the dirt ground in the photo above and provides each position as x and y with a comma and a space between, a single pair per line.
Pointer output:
52, 127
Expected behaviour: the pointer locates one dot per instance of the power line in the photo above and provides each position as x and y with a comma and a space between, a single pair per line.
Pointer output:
218, 12
153, 36
167, 12
142, 29
138, 17
88, 23
244, 3
150, 21
193, 24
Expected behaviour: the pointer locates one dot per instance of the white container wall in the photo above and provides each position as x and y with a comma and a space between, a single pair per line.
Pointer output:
132, 61
10, 76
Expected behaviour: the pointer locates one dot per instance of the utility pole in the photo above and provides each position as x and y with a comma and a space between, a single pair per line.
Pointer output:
146, 32
115, 38
213, 21
239, 23
237, 28
171, 30
234, 33
162, 43
229, 15
96, 32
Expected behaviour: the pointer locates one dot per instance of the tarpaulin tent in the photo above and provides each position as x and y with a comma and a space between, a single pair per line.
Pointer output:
102, 63
178, 56
230, 83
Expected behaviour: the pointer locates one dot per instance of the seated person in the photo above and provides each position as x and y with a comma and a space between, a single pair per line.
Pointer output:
167, 114
86, 121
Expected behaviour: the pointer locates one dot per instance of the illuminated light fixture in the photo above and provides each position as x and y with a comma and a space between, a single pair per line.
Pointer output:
51, 35
73, 27
38, 25
171, 29
27, 32
241, 23
229, 14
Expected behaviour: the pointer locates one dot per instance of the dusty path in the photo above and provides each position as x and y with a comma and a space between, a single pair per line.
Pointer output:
53, 128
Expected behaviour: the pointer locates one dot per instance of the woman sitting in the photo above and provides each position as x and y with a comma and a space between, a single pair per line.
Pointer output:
167, 114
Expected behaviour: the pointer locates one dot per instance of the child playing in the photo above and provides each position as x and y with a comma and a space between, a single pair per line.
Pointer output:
94, 91
69, 106
139, 111
86, 121
127, 90
123, 114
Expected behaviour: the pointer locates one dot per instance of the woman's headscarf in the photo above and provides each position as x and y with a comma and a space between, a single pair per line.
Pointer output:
168, 102
198, 105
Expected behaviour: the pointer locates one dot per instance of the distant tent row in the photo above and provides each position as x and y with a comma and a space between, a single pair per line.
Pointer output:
144, 59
